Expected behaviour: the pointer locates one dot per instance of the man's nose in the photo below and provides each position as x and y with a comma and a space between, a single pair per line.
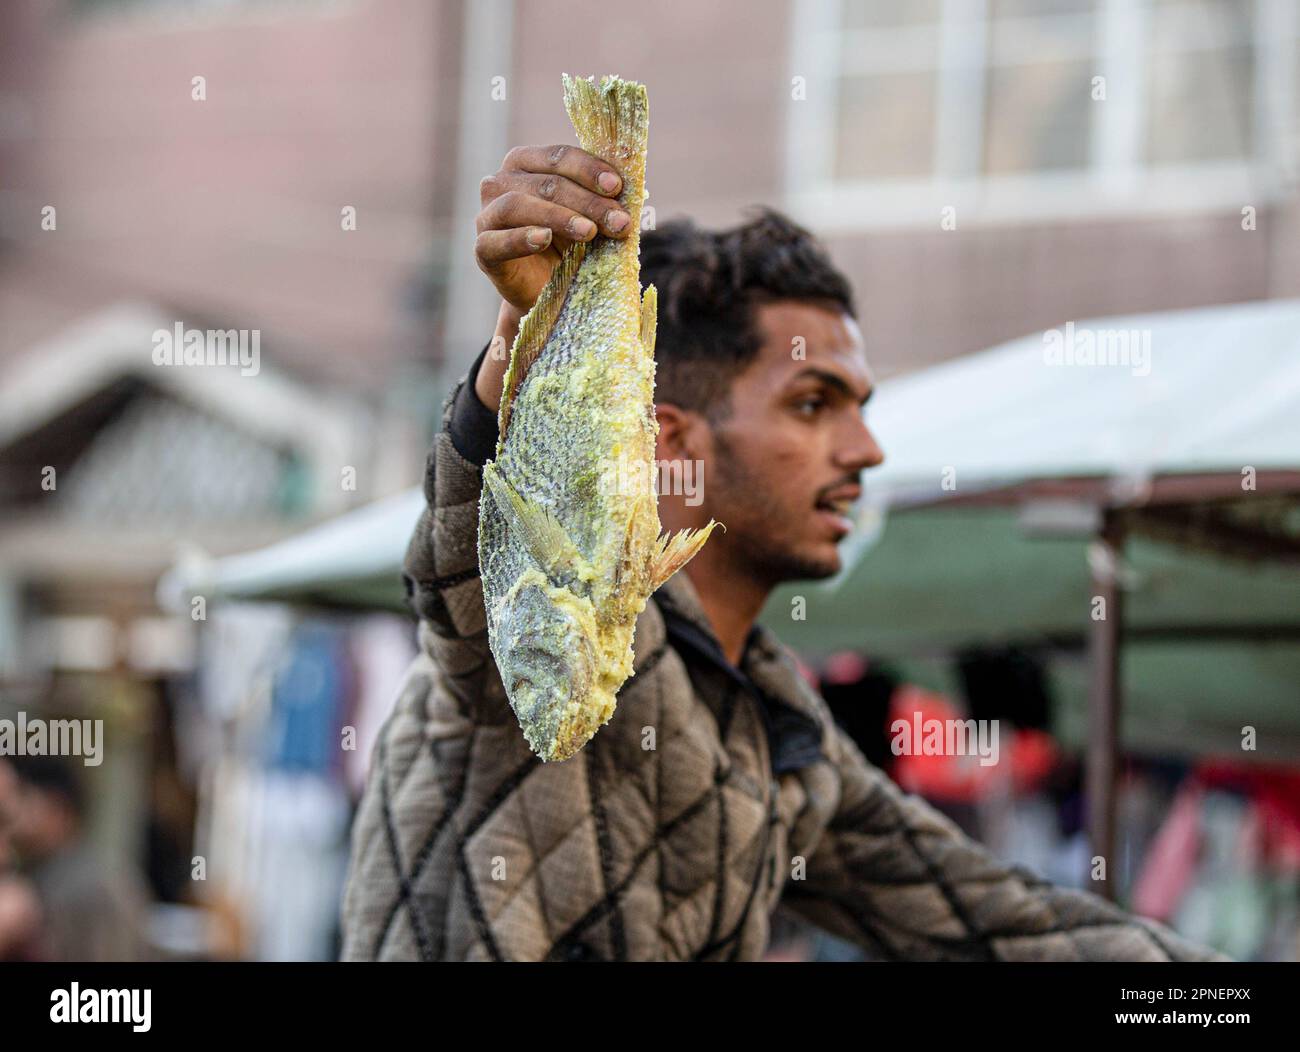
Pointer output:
860, 450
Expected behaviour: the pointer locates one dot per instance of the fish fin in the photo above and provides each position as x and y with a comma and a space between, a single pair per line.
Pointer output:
649, 319
675, 551
627, 560
535, 330
543, 536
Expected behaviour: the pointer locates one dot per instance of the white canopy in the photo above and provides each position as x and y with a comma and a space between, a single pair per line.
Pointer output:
1215, 389
1207, 390
353, 560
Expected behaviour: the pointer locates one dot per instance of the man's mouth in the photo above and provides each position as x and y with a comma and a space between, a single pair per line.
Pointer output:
836, 507
839, 507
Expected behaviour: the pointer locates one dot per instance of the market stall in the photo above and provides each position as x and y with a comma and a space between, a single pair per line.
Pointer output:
1122, 494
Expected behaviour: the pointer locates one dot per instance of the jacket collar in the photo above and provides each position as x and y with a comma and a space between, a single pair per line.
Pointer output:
789, 705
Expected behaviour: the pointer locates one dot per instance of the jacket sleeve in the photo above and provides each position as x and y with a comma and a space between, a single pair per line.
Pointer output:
897, 877
441, 567
452, 686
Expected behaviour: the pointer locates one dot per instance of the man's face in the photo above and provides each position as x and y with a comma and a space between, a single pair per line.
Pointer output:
785, 462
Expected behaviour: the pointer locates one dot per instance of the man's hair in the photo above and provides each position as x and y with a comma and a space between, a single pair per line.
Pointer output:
710, 285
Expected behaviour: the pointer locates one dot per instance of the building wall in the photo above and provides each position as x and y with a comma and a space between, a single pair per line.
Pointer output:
929, 295
720, 99
232, 206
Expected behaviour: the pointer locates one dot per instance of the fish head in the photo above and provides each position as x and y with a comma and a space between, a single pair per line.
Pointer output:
547, 655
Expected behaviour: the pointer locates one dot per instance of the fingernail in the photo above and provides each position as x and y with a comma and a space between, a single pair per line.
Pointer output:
539, 237
609, 182
615, 220
582, 227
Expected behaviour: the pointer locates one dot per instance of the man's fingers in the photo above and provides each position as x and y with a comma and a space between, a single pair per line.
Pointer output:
569, 161
496, 247
517, 208
612, 219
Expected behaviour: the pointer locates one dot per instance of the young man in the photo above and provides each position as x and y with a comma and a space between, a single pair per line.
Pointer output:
721, 785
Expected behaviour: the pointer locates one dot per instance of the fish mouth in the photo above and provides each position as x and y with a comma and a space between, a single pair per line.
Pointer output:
537, 704
539, 684
542, 682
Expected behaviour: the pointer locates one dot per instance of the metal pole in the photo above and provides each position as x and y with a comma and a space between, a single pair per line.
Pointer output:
1106, 612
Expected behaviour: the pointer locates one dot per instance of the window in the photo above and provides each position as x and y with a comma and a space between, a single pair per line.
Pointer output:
1016, 108
1201, 81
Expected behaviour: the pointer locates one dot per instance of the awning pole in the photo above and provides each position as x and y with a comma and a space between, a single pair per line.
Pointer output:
1105, 558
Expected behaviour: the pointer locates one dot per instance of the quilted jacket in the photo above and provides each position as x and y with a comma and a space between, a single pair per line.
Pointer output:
713, 793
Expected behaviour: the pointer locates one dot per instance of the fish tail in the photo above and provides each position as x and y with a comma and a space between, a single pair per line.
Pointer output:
612, 120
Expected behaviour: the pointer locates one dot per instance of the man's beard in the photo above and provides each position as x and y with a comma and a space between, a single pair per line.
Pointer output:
741, 499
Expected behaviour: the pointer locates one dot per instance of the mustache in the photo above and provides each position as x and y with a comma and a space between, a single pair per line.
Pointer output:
848, 480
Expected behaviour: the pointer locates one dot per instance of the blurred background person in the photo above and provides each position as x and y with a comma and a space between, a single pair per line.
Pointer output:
20, 919
89, 912
20, 910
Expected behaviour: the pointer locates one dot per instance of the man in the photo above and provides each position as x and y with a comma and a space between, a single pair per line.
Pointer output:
721, 785
90, 913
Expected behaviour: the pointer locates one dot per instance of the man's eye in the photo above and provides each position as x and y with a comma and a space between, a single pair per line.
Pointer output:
809, 406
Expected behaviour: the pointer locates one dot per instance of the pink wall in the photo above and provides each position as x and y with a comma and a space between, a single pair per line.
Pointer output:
231, 206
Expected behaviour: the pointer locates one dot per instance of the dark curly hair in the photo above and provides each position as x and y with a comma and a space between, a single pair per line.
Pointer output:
710, 283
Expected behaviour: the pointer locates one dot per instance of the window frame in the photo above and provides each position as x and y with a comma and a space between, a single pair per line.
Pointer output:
1116, 179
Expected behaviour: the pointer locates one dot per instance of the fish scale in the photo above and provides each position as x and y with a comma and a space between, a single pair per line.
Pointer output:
569, 542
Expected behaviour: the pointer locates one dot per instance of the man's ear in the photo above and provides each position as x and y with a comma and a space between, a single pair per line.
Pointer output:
679, 433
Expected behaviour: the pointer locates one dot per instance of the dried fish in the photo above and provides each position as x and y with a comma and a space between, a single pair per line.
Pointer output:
569, 536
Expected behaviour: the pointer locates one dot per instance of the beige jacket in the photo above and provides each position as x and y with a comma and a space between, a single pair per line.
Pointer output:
712, 794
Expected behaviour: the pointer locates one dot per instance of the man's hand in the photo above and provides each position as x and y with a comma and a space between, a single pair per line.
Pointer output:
542, 200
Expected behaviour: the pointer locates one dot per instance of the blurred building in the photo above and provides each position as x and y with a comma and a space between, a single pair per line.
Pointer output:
201, 164
1096, 156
